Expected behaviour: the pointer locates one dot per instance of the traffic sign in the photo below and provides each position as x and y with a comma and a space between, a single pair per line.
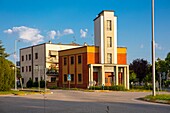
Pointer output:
69, 77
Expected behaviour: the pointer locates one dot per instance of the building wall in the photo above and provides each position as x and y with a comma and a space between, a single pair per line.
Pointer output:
88, 55
121, 55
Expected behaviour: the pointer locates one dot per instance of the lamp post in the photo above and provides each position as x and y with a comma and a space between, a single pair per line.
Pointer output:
15, 62
153, 52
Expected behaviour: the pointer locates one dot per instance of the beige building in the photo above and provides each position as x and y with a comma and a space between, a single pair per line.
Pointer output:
36, 60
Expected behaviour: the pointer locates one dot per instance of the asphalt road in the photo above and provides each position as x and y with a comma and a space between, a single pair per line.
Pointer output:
64, 101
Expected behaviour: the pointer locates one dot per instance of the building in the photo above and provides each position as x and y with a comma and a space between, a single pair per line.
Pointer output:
37, 60
102, 64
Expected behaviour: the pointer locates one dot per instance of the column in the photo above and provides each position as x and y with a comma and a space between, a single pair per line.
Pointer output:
103, 75
127, 78
117, 82
91, 73
124, 77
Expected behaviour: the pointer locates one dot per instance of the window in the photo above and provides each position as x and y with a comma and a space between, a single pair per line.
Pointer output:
109, 58
26, 68
29, 68
65, 77
109, 41
72, 77
109, 25
36, 55
26, 57
29, 56
22, 69
79, 78
53, 79
22, 58
79, 59
65, 61
36, 79
106, 80
22, 80
72, 60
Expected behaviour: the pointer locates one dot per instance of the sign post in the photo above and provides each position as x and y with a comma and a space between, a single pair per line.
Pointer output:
69, 79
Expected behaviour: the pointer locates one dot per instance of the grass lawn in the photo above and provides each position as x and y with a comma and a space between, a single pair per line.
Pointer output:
161, 98
19, 92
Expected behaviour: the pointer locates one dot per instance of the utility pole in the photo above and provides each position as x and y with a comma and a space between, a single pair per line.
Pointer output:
153, 52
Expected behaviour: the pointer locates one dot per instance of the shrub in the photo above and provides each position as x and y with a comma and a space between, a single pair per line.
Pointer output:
35, 84
42, 83
29, 83
53, 87
118, 88
114, 88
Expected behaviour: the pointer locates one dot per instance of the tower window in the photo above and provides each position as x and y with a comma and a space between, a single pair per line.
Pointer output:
79, 59
109, 41
109, 58
36, 55
65, 61
109, 25
72, 60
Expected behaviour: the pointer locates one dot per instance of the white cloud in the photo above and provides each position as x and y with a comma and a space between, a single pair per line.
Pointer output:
59, 34
52, 34
141, 46
159, 47
28, 34
9, 31
83, 33
68, 32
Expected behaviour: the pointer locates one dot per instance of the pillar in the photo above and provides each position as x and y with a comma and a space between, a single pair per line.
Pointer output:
124, 77
127, 78
117, 82
103, 75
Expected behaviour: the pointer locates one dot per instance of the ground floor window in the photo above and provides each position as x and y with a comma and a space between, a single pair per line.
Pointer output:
72, 77
79, 78
36, 79
65, 77
53, 79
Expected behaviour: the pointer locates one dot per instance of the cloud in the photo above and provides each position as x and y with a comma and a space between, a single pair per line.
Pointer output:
52, 34
83, 33
159, 47
59, 34
141, 46
26, 33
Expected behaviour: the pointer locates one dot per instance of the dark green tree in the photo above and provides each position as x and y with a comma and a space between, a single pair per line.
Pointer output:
3, 54
140, 67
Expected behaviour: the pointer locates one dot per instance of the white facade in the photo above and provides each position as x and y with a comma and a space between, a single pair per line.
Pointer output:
35, 59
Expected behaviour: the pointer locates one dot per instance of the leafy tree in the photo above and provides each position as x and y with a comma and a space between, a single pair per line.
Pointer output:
6, 75
140, 67
132, 76
167, 59
2, 51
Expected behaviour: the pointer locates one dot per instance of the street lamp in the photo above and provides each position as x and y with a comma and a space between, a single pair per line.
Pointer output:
153, 52
15, 62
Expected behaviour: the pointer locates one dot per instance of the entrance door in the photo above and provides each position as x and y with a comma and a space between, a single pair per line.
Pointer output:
95, 77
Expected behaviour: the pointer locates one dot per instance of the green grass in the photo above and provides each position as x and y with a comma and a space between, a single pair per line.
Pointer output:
18, 92
161, 98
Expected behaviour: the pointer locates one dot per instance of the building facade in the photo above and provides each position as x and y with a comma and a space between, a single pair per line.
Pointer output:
37, 60
102, 64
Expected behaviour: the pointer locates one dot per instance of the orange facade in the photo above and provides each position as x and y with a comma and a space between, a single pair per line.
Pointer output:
121, 55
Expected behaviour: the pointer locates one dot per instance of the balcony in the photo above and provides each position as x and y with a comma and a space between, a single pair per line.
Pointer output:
52, 59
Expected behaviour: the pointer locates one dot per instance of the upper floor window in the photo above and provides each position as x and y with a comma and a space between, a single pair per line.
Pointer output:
65, 61
79, 59
109, 25
36, 55
22, 58
26, 68
29, 56
26, 57
109, 58
22, 69
109, 41
72, 60
29, 68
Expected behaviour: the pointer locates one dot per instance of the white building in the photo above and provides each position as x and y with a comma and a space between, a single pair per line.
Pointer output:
35, 59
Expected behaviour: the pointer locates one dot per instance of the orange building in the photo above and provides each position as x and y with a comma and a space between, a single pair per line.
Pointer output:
101, 64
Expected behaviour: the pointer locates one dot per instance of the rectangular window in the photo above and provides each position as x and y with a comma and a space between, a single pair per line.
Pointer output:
26, 57
22, 69
72, 77
72, 60
109, 25
79, 78
109, 58
29, 68
36, 79
65, 77
53, 79
22, 80
22, 58
79, 59
109, 41
26, 68
65, 61
29, 56
36, 55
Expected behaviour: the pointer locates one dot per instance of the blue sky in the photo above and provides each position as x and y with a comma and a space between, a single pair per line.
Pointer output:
38, 21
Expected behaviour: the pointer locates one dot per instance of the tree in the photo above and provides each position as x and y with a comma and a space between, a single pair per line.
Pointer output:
6, 75
2, 51
132, 76
140, 67
167, 59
